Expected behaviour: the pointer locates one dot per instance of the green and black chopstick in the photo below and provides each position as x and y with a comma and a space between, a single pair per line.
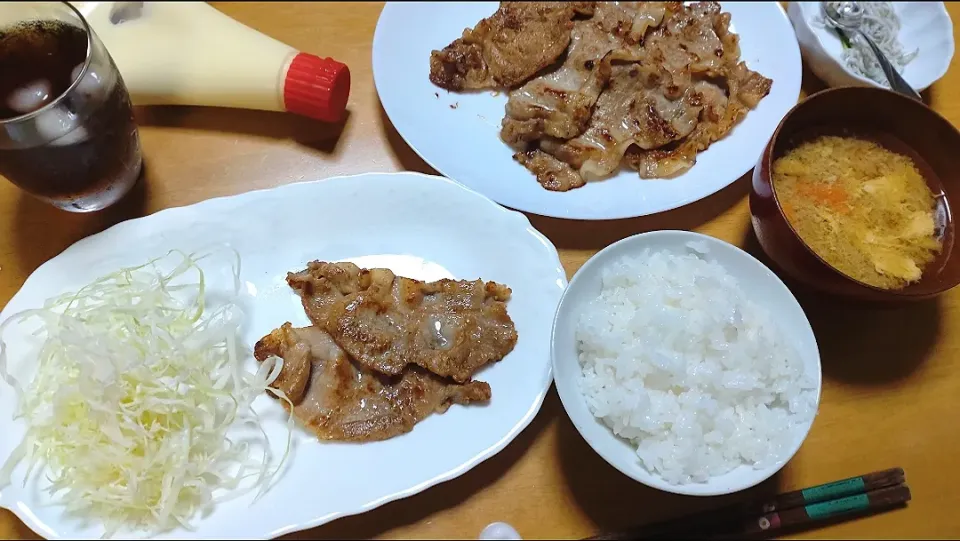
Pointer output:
863, 494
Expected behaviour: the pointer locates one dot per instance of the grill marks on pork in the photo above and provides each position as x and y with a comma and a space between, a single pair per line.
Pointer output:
634, 110
551, 173
658, 113
646, 83
507, 48
559, 104
629, 21
716, 118
387, 322
385, 352
721, 112
337, 399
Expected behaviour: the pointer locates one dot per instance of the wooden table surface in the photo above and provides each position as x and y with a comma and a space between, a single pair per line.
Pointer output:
891, 376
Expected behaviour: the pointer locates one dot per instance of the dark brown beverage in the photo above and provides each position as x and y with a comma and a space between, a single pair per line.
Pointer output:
36, 61
67, 133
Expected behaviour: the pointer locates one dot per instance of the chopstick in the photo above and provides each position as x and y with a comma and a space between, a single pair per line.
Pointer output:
866, 493
818, 513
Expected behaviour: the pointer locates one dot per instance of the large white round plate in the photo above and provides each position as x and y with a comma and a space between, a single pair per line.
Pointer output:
458, 133
420, 226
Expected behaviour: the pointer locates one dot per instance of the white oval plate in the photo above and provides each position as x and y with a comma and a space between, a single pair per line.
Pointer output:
420, 226
458, 133
764, 287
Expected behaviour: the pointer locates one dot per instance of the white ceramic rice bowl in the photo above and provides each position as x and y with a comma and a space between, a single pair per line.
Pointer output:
764, 288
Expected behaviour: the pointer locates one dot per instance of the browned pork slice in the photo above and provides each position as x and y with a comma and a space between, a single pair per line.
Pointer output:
507, 48
339, 400
386, 322
559, 103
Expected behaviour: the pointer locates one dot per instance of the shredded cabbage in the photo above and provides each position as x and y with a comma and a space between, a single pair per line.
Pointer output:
139, 396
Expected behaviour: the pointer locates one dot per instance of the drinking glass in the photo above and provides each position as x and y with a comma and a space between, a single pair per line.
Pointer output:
67, 132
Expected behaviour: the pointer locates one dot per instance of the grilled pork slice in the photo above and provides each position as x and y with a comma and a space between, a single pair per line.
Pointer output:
339, 400
507, 48
665, 99
386, 322
559, 103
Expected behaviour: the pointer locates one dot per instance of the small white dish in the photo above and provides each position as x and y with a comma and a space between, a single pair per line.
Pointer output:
924, 26
756, 279
458, 134
420, 226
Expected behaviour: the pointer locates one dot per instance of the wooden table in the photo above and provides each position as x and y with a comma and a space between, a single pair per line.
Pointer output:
891, 376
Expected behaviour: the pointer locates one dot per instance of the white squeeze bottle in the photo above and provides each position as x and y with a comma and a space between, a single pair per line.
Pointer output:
189, 53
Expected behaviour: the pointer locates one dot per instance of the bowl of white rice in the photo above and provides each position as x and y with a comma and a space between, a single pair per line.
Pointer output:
686, 363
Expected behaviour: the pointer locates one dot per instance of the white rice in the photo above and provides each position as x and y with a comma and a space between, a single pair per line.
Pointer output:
678, 361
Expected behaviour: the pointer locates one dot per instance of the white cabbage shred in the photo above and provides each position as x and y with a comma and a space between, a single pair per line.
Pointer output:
139, 398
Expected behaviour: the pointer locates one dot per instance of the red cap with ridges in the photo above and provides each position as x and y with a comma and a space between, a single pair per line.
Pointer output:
316, 87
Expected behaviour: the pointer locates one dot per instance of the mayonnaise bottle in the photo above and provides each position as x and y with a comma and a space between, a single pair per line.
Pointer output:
189, 53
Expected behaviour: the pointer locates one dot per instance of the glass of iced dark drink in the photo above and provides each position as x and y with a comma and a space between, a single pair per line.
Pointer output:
67, 133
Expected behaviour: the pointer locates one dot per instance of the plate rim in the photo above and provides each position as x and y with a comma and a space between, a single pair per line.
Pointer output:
562, 213
11, 501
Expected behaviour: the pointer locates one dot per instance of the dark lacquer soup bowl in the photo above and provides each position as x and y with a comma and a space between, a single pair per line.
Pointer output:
897, 123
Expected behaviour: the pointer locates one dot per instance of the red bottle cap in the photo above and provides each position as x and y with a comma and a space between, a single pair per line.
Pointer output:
316, 87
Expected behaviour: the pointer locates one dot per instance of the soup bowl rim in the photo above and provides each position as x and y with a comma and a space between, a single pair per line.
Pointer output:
767, 160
